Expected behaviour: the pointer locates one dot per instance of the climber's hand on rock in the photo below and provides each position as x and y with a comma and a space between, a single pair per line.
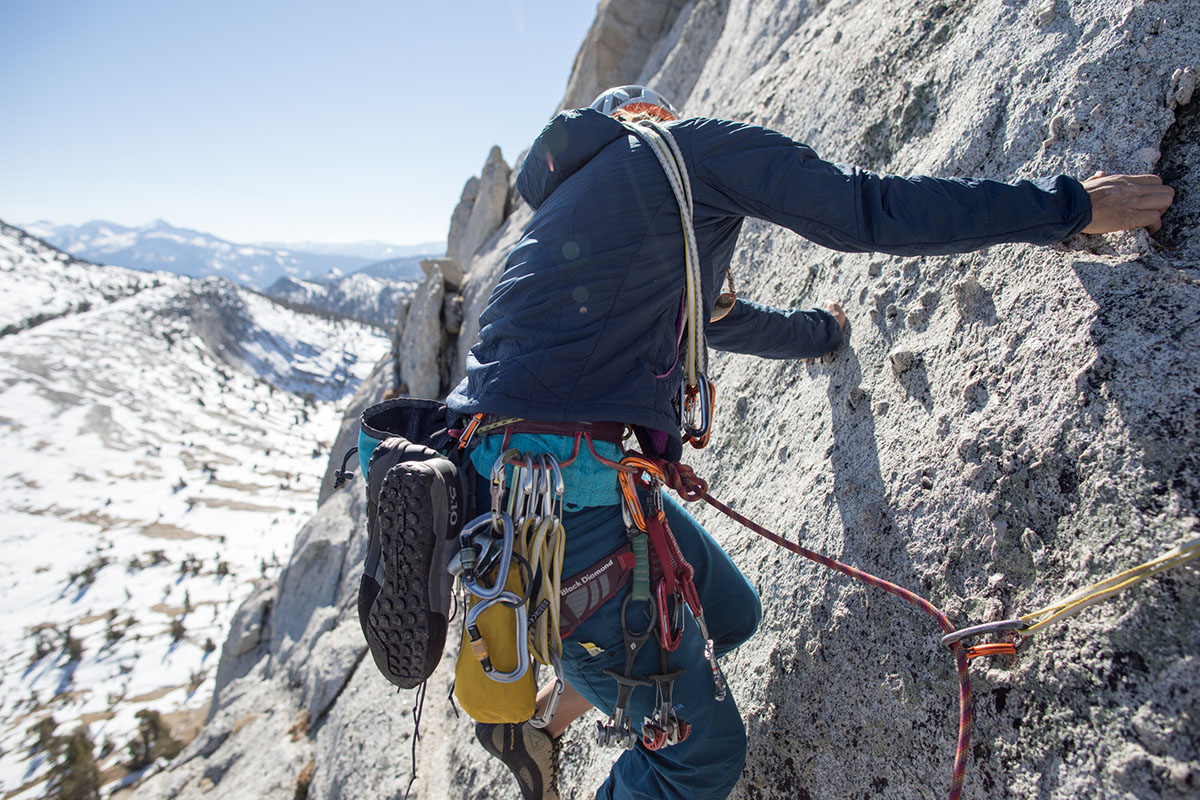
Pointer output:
838, 313
1125, 202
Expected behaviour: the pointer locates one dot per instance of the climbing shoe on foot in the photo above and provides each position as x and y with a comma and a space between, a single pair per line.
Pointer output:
529, 752
414, 515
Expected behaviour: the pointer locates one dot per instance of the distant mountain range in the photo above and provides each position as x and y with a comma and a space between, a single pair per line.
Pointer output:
360, 296
159, 245
167, 437
375, 251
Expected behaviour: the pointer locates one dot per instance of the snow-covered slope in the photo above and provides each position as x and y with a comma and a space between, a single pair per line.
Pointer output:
163, 439
360, 296
159, 245
38, 283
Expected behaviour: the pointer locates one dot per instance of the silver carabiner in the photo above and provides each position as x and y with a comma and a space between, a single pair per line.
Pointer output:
688, 408
558, 488
978, 630
506, 552
513, 600
547, 715
498, 482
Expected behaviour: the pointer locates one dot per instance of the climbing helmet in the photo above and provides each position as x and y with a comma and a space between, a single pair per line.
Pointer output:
635, 100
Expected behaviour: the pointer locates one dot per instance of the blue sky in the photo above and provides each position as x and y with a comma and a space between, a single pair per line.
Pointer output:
269, 120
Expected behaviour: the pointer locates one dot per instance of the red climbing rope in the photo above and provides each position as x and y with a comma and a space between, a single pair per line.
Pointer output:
691, 487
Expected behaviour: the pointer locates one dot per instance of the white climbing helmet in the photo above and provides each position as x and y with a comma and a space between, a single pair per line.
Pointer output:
635, 100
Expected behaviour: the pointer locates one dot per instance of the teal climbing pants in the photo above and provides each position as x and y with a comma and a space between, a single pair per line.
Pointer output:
709, 762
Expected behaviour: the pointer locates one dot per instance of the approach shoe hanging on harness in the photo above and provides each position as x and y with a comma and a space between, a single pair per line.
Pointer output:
414, 515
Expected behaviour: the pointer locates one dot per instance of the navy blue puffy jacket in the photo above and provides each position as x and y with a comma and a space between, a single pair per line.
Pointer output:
583, 323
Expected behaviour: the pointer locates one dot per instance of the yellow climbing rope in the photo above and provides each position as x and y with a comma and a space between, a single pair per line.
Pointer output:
1074, 603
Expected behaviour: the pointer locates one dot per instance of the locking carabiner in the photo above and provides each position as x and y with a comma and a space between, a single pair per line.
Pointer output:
479, 645
696, 410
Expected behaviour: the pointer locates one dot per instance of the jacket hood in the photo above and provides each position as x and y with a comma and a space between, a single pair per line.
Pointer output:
563, 147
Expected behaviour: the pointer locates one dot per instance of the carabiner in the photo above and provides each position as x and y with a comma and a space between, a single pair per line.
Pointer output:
479, 644
522, 499
555, 490
670, 627
697, 402
979, 630
547, 715
506, 553
497, 491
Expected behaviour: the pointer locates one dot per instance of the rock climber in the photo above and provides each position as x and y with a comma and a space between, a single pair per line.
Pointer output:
584, 327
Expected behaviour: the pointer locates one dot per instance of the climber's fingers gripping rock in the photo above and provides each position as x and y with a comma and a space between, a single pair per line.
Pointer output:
1125, 202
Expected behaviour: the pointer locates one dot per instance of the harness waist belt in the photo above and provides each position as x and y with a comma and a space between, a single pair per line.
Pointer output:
602, 431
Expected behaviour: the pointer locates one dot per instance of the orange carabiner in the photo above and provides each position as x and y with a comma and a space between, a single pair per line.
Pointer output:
994, 649
465, 438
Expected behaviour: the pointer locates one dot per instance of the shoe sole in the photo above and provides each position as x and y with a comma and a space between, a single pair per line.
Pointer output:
537, 748
403, 606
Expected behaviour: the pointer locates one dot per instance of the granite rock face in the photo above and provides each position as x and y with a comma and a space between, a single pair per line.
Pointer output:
615, 51
422, 340
480, 211
1000, 428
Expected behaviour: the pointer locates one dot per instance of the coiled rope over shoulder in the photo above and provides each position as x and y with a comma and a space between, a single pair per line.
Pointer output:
670, 157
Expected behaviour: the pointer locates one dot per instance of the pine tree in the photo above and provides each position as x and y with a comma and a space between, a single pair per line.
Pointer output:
75, 776
154, 741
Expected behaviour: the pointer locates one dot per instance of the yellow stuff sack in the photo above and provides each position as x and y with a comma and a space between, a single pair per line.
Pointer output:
484, 699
